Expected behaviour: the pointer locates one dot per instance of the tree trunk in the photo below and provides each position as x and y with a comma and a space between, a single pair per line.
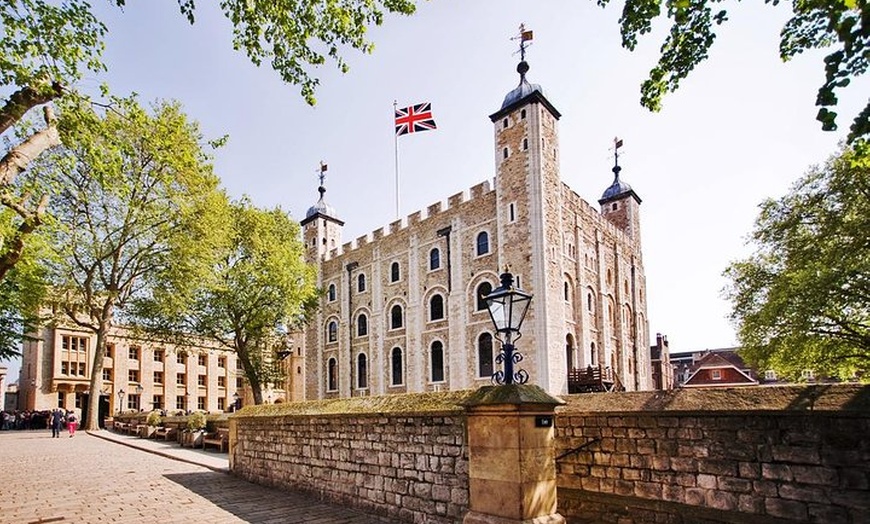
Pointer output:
11, 165
23, 101
107, 312
17, 159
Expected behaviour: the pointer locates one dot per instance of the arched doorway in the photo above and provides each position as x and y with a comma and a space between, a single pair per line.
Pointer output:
569, 352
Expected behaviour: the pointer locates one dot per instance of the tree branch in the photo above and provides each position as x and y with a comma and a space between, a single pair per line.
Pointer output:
23, 101
17, 159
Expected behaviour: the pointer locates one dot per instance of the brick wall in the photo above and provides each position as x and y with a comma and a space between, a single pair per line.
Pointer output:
785, 454
376, 454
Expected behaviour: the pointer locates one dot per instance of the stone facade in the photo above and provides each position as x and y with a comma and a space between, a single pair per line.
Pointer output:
56, 372
402, 311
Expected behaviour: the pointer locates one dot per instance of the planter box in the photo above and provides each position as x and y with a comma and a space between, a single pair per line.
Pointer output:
192, 439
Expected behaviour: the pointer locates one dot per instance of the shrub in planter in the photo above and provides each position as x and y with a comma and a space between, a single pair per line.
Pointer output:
154, 419
196, 421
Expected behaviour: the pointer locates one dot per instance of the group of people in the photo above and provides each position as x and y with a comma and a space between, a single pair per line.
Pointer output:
57, 419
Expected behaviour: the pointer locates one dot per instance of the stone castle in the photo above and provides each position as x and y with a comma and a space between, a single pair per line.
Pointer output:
402, 310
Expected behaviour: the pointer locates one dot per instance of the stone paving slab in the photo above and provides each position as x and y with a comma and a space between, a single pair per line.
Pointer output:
94, 480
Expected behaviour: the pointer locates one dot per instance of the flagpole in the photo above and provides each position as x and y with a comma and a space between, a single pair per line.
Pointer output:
396, 147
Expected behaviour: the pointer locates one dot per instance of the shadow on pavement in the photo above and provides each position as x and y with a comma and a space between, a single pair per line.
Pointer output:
258, 504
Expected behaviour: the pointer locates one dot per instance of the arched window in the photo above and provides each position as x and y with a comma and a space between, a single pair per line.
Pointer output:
484, 355
523, 113
436, 307
396, 317
434, 259
332, 375
394, 272
361, 283
484, 289
593, 357
436, 356
362, 372
482, 243
569, 350
331, 293
589, 302
396, 367
362, 325
525, 144
565, 291
332, 331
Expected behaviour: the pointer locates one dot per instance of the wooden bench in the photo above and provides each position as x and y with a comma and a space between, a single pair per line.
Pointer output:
120, 427
165, 433
219, 439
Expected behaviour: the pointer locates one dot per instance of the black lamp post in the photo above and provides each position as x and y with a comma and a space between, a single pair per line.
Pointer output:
121, 401
507, 307
237, 400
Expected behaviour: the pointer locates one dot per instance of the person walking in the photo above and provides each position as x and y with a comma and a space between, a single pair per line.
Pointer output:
56, 422
71, 423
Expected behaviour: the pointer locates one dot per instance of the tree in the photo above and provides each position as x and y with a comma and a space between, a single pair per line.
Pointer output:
137, 203
44, 48
260, 286
838, 25
802, 300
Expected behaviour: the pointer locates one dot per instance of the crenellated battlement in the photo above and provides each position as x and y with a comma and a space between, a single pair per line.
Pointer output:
414, 219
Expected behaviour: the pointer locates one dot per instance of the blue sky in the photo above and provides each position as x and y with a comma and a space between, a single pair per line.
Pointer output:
739, 130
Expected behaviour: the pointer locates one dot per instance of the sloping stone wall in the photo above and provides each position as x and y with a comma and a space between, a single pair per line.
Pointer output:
404, 457
742, 455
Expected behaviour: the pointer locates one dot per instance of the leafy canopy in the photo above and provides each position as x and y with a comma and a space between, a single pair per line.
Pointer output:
839, 26
259, 286
802, 300
296, 37
43, 42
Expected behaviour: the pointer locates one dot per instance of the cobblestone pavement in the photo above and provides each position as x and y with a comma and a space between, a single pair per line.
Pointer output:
87, 479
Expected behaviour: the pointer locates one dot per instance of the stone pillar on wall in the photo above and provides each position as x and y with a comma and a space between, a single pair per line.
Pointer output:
511, 465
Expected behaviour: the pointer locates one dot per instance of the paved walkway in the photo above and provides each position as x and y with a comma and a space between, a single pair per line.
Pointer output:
91, 478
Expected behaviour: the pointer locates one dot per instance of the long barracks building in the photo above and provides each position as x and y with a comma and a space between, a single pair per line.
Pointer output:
403, 311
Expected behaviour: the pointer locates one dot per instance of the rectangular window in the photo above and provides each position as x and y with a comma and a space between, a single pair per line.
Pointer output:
79, 400
60, 399
133, 401
222, 403
110, 350
201, 360
511, 212
64, 368
82, 371
181, 358
179, 403
158, 377
158, 355
200, 380
181, 378
200, 403
107, 374
157, 402
716, 374
240, 382
222, 362
239, 364
133, 375
133, 353
222, 382
73, 343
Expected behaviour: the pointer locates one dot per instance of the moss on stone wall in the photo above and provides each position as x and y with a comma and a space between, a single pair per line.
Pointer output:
821, 397
411, 403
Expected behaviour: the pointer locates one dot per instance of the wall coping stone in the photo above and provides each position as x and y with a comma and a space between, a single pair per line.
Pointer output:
789, 399
511, 394
408, 404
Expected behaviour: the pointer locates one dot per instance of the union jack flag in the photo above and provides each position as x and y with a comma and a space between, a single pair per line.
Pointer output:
414, 119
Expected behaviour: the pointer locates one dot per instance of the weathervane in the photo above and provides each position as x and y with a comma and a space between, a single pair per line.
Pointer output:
321, 173
524, 37
617, 143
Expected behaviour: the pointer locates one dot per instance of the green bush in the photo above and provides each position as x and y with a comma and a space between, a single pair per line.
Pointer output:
196, 421
154, 419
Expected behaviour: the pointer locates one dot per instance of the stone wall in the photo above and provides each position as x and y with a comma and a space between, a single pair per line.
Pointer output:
404, 457
773, 454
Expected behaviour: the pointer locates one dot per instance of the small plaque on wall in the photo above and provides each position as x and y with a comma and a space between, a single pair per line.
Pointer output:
543, 421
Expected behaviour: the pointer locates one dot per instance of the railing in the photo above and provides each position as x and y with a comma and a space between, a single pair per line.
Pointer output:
593, 379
